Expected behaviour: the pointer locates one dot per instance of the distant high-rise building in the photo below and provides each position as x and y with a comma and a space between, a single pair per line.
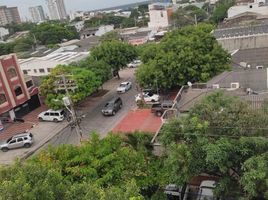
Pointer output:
9, 15
57, 10
37, 14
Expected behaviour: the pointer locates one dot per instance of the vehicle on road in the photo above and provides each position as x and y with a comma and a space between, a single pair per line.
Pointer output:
160, 108
17, 141
148, 97
112, 106
124, 86
52, 115
177, 192
134, 63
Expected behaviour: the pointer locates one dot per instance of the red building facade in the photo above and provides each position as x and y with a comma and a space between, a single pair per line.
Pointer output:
18, 95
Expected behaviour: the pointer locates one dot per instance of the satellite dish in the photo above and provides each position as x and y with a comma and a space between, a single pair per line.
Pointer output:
189, 84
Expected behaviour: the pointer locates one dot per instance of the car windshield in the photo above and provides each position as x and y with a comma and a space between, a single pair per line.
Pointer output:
122, 85
148, 94
62, 112
109, 104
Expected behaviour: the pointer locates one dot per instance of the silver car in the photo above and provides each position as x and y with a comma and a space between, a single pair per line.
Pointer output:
17, 141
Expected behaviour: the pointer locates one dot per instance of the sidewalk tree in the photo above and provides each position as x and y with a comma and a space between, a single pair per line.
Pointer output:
220, 138
115, 53
189, 54
86, 81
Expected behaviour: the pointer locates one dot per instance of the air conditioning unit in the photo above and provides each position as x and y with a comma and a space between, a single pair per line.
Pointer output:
235, 85
215, 86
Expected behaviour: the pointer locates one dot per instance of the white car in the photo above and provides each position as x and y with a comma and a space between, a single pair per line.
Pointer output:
148, 97
124, 86
134, 63
206, 190
51, 115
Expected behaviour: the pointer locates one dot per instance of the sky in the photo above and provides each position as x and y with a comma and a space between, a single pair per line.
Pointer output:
71, 5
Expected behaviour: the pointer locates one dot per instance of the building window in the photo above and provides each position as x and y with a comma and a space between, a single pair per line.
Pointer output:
161, 14
2, 98
35, 71
29, 84
18, 90
25, 71
41, 70
48, 69
11, 72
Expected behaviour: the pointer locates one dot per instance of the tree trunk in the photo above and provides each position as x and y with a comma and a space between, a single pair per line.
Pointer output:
117, 73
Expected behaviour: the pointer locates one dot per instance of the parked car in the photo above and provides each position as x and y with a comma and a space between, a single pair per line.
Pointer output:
112, 106
124, 86
134, 63
17, 141
148, 97
52, 115
206, 190
177, 192
160, 108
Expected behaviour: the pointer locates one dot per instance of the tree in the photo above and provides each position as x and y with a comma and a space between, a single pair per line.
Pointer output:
112, 35
86, 81
219, 137
53, 33
190, 54
105, 169
115, 53
220, 11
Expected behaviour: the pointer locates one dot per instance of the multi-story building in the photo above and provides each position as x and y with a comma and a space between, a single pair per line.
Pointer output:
37, 14
18, 95
9, 15
57, 10
160, 16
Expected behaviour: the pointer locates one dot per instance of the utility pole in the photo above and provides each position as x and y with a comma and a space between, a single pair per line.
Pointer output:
68, 102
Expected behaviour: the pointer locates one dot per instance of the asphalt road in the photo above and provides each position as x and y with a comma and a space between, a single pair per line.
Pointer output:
94, 121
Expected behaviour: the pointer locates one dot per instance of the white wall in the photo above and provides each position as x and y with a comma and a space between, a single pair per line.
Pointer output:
253, 7
3, 32
158, 19
104, 29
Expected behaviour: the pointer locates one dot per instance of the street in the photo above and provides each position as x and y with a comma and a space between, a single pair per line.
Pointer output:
94, 121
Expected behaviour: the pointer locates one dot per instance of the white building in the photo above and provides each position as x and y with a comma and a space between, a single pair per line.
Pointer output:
42, 66
160, 16
57, 10
37, 14
3, 32
76, 14
78, 25
258, 6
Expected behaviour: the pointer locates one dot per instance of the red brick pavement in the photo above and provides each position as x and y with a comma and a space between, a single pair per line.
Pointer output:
138, 120
16, 127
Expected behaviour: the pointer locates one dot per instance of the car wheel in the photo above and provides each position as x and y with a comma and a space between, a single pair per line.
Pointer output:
158, 114
5, 149
55, 120
40, 119
113, 113
27, 145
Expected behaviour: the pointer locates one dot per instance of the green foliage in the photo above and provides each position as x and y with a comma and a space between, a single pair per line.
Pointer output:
25, 26
104, 20
220, 136
112, 35
189, 54
220, 11
86, 81
98, 169
115, 53
53, 33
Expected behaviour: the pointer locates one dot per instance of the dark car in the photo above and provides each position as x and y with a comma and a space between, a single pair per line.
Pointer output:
112, 106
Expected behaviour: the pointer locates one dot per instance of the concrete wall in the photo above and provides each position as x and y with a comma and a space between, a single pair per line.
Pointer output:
245, 42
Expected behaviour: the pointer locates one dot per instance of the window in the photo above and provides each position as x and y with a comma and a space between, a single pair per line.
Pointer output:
25, 71
18, 90
12, 141
161, 14
41, 70
46, 114
35, 71
29, 83
48, 69
19, 140
11, 72
2, 98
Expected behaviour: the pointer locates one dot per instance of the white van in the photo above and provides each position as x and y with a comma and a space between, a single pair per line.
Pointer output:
51, 115
206, 190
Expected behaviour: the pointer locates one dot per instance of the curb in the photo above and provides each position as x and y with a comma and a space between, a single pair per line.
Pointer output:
47, 139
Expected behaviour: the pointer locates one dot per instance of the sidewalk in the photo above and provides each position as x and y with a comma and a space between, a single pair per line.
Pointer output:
43, 133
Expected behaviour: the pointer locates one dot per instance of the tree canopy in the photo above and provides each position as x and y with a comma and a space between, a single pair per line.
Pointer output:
221, 136
111, 168
189, 54
115, 53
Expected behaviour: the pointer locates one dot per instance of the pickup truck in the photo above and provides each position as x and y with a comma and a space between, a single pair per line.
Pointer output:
159, 108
